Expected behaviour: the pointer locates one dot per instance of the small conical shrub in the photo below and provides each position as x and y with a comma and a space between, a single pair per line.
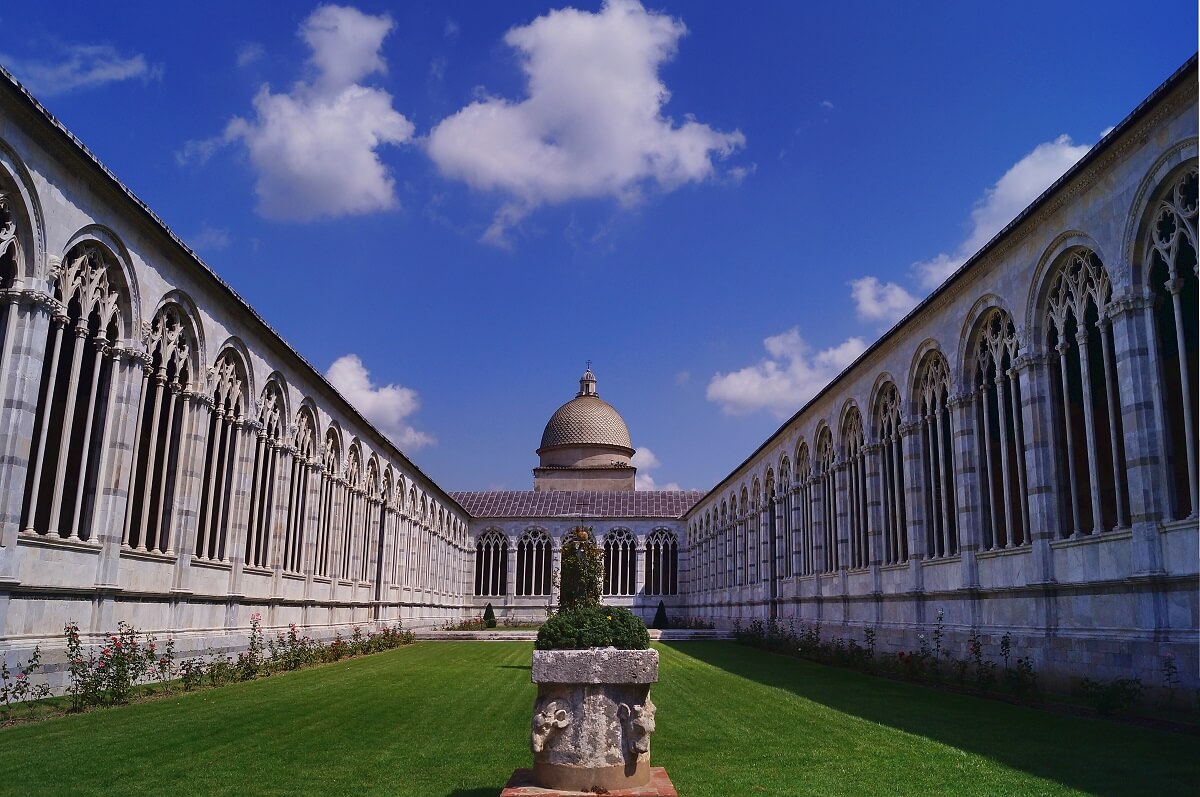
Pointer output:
489, 617
660, 616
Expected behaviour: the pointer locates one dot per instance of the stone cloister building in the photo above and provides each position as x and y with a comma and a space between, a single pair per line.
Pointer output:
168, 460
1017, 455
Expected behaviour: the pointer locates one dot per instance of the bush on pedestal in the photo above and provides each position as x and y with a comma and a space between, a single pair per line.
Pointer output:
660, 617
581, 621
489, 616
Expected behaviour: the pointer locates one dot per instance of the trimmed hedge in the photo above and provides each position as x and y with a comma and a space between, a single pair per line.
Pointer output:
593, 627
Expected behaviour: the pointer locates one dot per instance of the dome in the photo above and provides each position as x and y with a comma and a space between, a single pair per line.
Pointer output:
586, 421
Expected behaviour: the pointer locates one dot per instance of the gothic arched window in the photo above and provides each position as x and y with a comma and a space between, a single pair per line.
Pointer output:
620, 552
76, 391
935, 442
331, 490
491, 564
304, 459
662, 563
1086, 397
804, 498
856, 488
827, 487
998, 417
534, 555
225, 432
1173, 278
353, 516
891, 476
162, 417
785, 499
10, 262
268, 445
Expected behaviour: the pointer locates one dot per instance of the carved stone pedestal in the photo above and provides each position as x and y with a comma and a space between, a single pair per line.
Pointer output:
522, 784
593, 719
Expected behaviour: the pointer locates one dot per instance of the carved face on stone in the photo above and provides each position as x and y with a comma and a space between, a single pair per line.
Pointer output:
547, 720
638, 724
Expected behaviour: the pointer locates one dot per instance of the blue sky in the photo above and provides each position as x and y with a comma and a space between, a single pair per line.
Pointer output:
452, 206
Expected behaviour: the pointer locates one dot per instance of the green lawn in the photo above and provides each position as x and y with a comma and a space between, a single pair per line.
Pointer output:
451, 719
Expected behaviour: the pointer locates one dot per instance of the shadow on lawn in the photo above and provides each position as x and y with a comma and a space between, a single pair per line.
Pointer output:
485, 791
1076, 752
514, 666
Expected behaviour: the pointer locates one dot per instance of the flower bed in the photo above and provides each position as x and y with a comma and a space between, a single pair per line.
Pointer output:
129, 661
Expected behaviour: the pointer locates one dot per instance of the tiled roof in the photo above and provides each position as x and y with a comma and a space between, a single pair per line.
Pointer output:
590, 504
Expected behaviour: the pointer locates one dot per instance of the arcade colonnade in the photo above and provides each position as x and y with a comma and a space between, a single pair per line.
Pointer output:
167, 459
514, 561
1018, 453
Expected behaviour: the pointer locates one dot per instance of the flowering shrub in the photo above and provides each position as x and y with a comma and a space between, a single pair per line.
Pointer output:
191, 673
476, 623
17, 687
291, 651
250, 661
109, 673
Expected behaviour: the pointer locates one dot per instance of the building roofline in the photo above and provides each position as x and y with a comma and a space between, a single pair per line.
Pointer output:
65, 136
1143, 108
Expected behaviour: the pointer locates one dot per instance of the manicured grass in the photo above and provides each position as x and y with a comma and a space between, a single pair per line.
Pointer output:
451, 719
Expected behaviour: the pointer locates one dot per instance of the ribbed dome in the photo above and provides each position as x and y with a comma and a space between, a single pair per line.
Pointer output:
586, 421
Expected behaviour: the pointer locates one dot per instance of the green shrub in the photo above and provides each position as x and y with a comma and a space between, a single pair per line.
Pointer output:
1113, 697
660, 617
593, 627
582, 565
489, 616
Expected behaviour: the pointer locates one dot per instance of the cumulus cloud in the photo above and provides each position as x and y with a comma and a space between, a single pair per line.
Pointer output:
645, 461
790, 374
888, 302
80, 66
1011, 194
314, 147
386, 406
880, 301
592, 123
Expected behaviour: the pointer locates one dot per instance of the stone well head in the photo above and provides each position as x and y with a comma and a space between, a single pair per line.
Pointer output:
593, 718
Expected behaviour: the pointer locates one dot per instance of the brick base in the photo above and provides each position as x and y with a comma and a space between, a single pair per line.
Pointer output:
521, 784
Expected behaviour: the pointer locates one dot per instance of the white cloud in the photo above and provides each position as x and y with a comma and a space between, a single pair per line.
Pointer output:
314, 147
210, 239
790, 375
77, 66
386, 406
645, 461
1011, 194
880, 301
451, 29
888, 302
826, 104
249, 53
592, 124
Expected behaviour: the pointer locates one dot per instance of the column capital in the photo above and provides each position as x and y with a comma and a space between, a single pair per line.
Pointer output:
909, 428
960, 399
1130, 302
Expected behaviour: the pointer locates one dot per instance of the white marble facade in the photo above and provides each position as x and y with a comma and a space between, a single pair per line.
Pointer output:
945, 470
1019, 453
168, 460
